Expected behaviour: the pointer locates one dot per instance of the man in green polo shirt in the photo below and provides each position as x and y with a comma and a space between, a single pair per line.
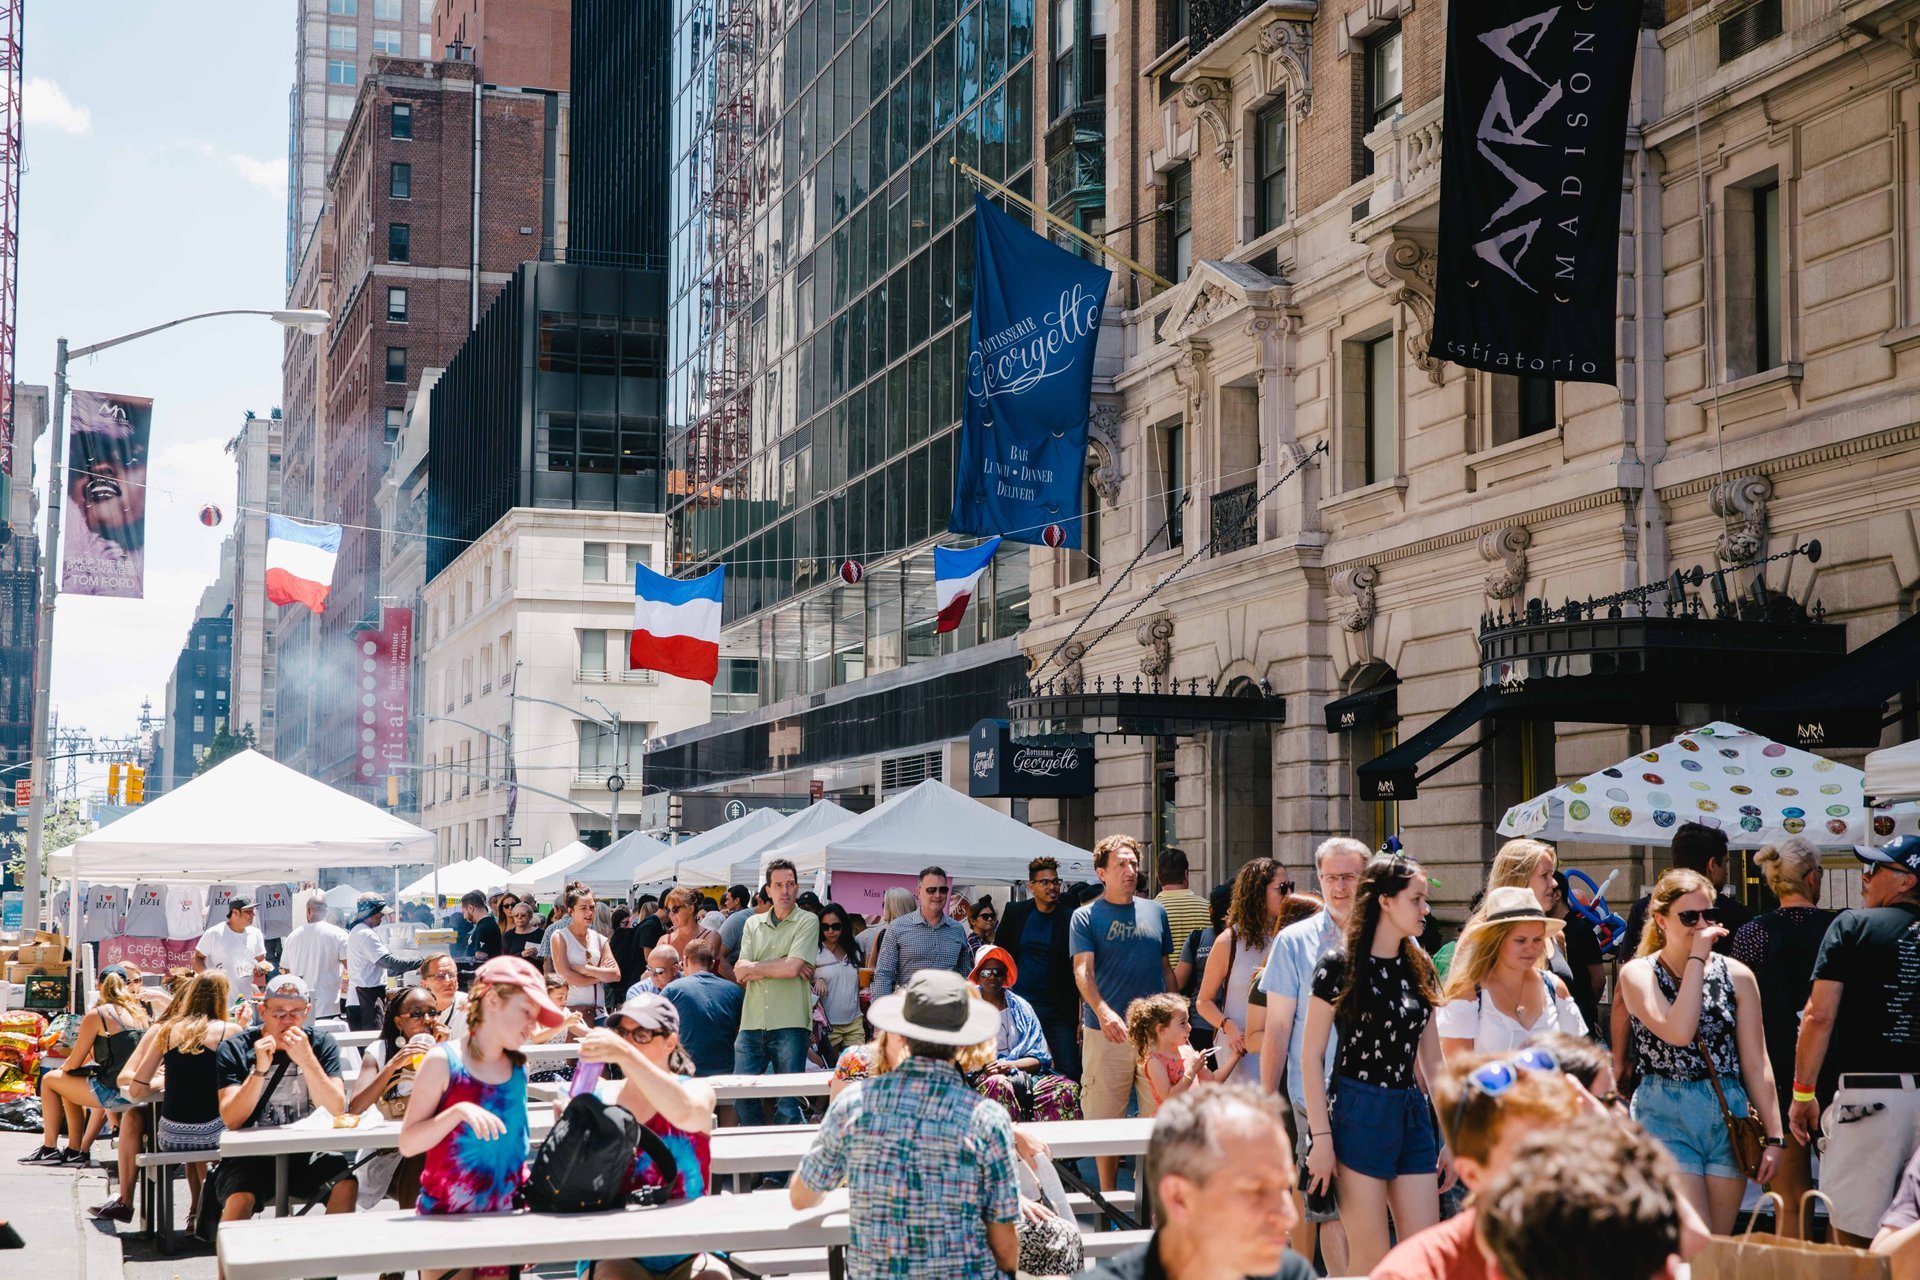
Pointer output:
777, 951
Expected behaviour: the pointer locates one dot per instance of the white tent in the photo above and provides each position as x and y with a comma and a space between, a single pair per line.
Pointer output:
800, 830
1894, 773
1756, 790
549, 875
609, 873
661, 870
245, 820
455, 879
933, 823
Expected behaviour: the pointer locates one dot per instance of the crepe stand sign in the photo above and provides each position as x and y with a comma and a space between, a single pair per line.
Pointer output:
1756, 790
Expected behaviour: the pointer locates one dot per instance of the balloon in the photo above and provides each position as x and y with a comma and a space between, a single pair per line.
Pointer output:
851, 571
210, 515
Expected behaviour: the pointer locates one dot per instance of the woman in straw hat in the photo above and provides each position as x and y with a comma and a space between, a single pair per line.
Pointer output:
1499, 994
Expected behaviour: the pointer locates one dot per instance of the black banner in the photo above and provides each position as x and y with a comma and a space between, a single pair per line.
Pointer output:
999, 766
1530, 186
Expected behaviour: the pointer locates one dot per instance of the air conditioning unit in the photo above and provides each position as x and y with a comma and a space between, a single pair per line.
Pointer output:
909, 770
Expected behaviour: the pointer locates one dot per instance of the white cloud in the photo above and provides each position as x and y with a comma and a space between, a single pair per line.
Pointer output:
268, 175
47, 104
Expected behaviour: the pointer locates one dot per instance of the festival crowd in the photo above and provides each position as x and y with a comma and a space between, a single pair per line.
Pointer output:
1335, 1091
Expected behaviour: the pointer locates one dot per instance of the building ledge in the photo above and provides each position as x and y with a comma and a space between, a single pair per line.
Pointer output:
1221, 56
1369, 503
1516, 458
1777, 390
1902, 339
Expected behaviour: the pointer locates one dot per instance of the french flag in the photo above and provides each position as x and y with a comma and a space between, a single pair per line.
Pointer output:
676, 624
955, 574
300, 562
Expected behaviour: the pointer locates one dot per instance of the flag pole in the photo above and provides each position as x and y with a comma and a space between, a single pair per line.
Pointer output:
1092, 242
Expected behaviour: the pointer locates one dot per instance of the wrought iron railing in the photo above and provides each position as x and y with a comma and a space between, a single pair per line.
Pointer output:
1235, 522
1208, 20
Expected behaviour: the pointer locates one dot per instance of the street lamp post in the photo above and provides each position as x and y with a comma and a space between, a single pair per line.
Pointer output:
306, 321
615, 783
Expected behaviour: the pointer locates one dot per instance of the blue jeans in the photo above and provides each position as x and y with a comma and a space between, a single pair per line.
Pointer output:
1060, 1030
780, 1051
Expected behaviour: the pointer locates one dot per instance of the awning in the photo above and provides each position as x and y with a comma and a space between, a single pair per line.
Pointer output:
1843, 706
1394, 775
1379, 704
1141, 712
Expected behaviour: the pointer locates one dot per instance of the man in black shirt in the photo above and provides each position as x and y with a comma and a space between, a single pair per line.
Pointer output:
1860, 1041
1035, 931
483, 931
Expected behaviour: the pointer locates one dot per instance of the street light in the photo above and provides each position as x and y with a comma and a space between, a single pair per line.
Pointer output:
307, 321
610, 725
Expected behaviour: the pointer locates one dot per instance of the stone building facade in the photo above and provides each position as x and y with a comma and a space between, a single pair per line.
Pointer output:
1279, 162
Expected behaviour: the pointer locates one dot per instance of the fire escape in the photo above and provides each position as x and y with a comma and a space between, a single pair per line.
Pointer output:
722, 435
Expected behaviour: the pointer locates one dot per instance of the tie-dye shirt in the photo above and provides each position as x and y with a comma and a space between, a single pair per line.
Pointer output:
692, 1157
464, 1172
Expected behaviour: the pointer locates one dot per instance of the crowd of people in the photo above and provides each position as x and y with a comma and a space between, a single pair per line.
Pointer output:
1331, 1096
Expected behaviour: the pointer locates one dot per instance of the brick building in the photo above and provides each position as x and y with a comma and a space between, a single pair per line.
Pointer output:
409, 279
522, 42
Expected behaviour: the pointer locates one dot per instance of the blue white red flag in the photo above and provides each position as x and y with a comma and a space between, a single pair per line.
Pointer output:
676, 624
955, 574
300, 561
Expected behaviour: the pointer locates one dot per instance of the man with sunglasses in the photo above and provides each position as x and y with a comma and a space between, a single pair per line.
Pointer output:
1036, 931
927, 939
1859, 1044
663, 966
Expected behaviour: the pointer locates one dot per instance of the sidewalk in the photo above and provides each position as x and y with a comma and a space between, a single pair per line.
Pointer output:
48, 1207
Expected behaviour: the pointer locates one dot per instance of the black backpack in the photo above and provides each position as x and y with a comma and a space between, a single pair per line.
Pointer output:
582, 1165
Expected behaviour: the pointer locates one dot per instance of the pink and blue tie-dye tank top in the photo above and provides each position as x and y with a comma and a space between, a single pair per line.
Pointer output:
692, 1157
464, 1172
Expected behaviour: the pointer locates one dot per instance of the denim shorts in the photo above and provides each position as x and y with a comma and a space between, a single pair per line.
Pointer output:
1685, 1116
1382, 1133
108, 1097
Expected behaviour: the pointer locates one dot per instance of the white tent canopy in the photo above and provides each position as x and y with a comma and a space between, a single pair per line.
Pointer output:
661, 870
933, 823
549, 875
247, 819
1756, 790
740, 863
609, 873
455, 879
1894, 773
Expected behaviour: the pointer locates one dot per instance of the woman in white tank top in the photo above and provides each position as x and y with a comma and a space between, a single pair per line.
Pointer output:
581, 955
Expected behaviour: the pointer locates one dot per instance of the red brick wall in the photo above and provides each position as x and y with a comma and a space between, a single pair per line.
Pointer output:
524, 43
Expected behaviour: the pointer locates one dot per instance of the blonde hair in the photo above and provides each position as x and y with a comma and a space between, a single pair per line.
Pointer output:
1517, 862
1147, 1015
1670, 888
1545, 1097
122, 995
1789, 866
198, 1005
477, 1015
975, 1057
1472, 964
681, 896
898, 903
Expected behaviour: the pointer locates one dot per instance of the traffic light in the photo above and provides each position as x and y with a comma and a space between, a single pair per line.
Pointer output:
113, 783
136, 784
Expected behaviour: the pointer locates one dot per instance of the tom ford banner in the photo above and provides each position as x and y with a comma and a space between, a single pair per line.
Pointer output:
106, 517
1536, 121
1022, 457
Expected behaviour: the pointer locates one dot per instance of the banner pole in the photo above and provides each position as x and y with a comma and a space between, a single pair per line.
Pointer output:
1090, 241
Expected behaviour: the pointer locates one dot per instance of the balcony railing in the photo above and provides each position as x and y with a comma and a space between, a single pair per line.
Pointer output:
1211, 21
600, 675
1235, 524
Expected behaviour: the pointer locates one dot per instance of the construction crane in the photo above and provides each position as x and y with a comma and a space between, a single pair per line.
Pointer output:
13, 24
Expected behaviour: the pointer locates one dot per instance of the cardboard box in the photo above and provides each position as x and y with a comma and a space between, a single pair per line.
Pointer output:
18, 972
39, 953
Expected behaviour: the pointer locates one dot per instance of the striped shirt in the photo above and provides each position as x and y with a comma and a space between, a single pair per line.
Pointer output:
1186, 911
910, 944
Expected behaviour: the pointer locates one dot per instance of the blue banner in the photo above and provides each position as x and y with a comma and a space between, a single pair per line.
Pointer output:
1021, 464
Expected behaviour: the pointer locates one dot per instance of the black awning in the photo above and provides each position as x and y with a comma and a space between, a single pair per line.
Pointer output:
1394, 775
1843, 706
1379, 704
1111, 712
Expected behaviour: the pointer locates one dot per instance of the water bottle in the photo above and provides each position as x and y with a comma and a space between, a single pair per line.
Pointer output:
585, 1076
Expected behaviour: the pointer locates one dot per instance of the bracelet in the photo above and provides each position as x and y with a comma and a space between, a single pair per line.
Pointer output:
1804, 1095
1319, 1133
1691, 959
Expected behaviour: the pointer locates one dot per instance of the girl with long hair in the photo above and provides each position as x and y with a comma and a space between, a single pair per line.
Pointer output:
1500, 995
1687, 1007
389, 1068
1374, 1139
176, 1055
683, 926
581, 954
1253, 921
1533, 865
898, 902
103, 1043
836, 980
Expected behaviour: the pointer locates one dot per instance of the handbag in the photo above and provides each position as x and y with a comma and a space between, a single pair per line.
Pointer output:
1746, 1134
1763, 1256
582, 1165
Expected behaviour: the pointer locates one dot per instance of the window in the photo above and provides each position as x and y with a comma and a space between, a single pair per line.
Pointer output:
344, 39
1174, 22
593, 655
396, 305
1096, 59
344, 8
1270, 168
386, 10
396, 419
1085, 563
396, 364
1175, 471
400, 181
1062, 26
426, 12
593, 562
638, 554
199, 724
597, 753
399, 242
426, 45
1382, 456
1523, 406
1383, 87
340, 106
386, 40
401, 121
1766, 278
1180, 227
342, 71
1537, 414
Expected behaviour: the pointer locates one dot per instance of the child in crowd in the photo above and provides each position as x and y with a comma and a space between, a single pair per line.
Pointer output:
468, 1112
1160, 1029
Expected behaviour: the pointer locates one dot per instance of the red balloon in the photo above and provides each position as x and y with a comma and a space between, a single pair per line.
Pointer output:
210, 515
851, 571
1054, 536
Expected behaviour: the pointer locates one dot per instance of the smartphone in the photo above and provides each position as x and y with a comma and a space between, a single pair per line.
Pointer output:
1319, 1203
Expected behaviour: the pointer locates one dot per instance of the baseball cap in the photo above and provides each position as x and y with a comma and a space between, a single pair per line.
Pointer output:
1902, 852
290, 986
239, 902
647, 1011
512, 971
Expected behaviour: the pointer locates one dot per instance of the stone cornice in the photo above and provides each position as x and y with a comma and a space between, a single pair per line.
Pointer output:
1472, 533
1833, 451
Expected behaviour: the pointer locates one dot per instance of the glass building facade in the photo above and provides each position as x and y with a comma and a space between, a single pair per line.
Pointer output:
820, 281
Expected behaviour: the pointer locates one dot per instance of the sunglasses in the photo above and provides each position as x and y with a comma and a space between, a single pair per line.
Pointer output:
424, 1015
1050, 882
829, 926
937, 893
1286, 888
638, 1035
1689, 919
1492, 1079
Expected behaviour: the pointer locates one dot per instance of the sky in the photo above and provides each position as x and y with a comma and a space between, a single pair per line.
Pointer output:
155, 187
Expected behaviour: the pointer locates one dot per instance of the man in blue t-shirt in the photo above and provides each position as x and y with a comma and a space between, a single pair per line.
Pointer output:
1122, 950
709, 1008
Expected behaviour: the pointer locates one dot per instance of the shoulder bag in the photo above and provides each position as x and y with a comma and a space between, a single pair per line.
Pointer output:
1746, 1133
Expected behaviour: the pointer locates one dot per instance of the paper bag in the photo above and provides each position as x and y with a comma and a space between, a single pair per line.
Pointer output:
1762, 1256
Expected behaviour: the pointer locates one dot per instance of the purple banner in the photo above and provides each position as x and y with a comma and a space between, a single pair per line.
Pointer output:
386, 675
106, 517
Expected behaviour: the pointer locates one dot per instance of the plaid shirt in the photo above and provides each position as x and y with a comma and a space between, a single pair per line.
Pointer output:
929, 1163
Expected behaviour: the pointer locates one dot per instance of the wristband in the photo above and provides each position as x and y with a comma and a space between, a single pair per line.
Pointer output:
1691, 959
1804, 1095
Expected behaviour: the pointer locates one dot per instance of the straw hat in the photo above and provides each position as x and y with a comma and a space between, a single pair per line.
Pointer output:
1510, 904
